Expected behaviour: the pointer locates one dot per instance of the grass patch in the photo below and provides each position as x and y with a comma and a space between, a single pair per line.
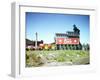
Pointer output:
35, 58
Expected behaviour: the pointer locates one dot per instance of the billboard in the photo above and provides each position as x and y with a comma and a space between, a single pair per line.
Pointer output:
67, 40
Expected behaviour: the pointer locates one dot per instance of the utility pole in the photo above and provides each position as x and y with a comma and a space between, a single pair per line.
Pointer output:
36, 40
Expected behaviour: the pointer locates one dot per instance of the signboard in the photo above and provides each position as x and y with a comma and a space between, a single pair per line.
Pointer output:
67, 40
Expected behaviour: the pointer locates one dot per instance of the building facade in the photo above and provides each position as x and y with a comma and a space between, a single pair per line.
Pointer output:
69, 40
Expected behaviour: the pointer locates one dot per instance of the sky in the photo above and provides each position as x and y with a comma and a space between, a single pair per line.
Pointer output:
47, 24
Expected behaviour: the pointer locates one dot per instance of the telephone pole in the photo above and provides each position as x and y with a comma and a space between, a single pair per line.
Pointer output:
36, 40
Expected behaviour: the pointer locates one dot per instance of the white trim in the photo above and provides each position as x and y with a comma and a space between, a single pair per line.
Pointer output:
18, 39
15, 40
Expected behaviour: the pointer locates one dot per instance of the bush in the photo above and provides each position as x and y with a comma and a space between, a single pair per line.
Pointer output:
27, 49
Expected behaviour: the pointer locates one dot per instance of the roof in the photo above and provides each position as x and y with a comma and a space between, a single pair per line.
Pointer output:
67, 34
30, 42
70, 33
61, 34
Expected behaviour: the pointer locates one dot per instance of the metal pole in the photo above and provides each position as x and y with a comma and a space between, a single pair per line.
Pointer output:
36, 40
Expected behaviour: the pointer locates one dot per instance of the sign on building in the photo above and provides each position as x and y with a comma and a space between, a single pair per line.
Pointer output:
67, 40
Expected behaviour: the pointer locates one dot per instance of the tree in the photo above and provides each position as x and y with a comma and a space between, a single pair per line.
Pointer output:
53, 47
87, 47
46, 47
68, 47
79, 47
71, 47
74, 47
83, 46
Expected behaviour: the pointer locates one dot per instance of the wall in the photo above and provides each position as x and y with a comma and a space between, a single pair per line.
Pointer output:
5, 41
